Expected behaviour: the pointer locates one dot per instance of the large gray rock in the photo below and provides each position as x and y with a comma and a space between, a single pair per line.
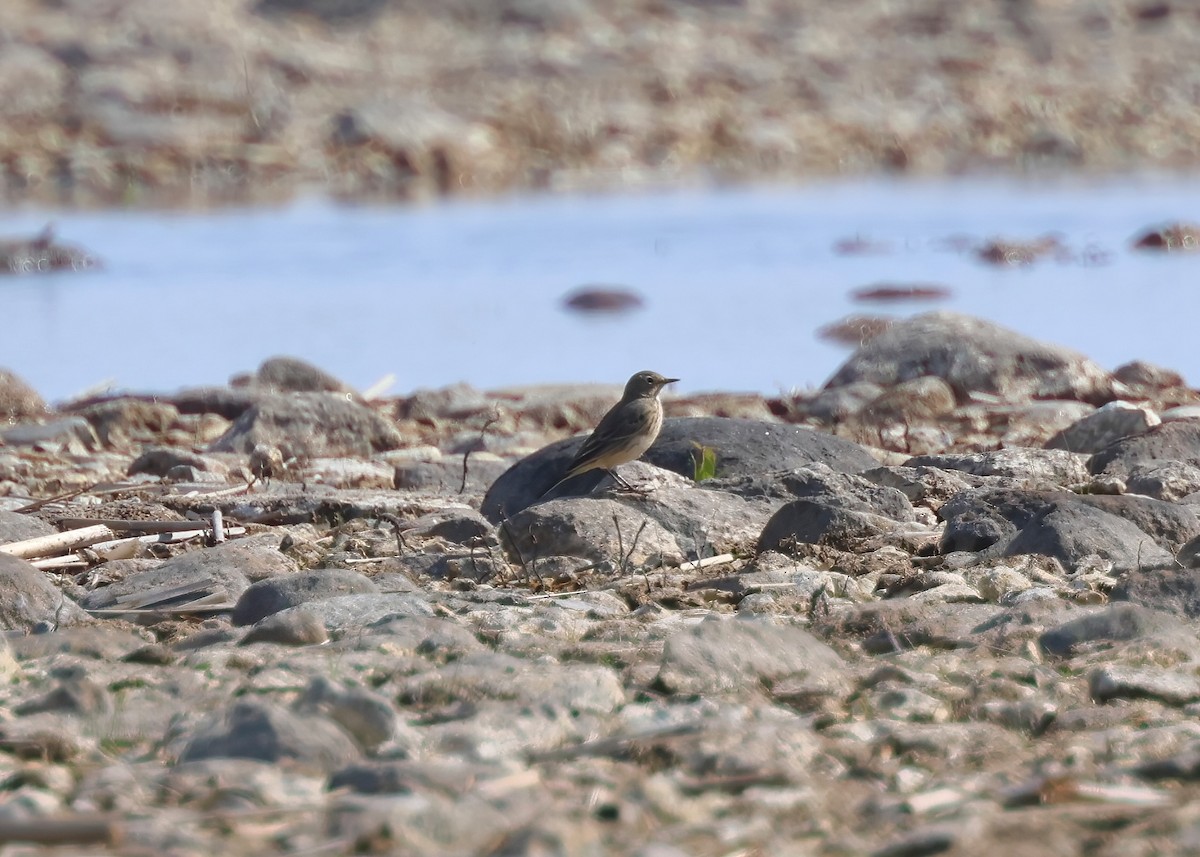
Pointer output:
1117, 623
1055, 466
27, 598
975, 356
721, 655
1169, 589
312, 425
597, 529
1069, 532
253, 729
344, 613
1177, 440
742, 447
231, 567
283, 591
15, 527
821, 523
1111, 423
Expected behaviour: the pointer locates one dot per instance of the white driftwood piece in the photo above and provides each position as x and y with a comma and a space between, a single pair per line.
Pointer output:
58, 543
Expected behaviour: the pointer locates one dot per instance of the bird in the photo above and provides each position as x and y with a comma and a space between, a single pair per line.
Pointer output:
625, 432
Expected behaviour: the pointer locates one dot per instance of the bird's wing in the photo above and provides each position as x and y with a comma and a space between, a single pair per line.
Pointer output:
613, 428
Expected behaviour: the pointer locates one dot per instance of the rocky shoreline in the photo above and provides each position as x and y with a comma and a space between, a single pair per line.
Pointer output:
946, 604
145, 103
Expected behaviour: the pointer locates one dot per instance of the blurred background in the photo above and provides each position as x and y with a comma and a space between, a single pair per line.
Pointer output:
510, 192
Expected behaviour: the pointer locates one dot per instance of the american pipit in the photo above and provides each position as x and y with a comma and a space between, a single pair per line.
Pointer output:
625, 432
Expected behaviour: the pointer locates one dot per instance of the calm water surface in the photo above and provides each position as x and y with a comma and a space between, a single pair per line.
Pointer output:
735, 284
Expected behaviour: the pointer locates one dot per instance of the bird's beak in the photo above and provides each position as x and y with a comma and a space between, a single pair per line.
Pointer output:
667, 381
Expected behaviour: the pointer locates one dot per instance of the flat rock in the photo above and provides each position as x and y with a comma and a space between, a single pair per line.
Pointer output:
313, 425
253, 729
1054, 466
596, 529
1113, 624
342, 613
277, 593
16, 527
1106, 425
1169, 589
724, 654
975, 356
819, 523
1173, 687
231, 566
1071, 531
742, 448
1177, 440
28, 598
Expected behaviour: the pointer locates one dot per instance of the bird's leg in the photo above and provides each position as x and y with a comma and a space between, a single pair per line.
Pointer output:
625, 486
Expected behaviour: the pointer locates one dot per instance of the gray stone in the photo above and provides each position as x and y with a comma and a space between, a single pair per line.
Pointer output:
1172, 441
595, 529
1113, 624
27, 597
454, 525
742, 447
1104, 426
814, 522
70, 434
973, 355
289, 590
720, 655
18, 401
290, 628
1070, 532
311, 425
1166, 480
16, 527
1120, 682
75, 693
343, 613
1170, 589
253, 729
161, 460
229, 566
1055, 466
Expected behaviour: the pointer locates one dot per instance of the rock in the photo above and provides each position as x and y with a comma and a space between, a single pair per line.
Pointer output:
593, 529
1070, 532
18, 401
979, 518
1169, 589
311, 425
742, 447
833, 405
27, 598
1057, 467
72, 435
815, 522
288, 590
253, 729
720, 655
1170, 525
345, 473
344, 613
1116, 623
1117, 682
1177, 440
975, 356
17, 527
1102, 427
1173, 481
1148, 376
231, 567
457, 525
898, 625
447, 474
290, 628
292, 375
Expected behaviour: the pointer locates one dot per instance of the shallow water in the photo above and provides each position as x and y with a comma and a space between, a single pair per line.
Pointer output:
735, 283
